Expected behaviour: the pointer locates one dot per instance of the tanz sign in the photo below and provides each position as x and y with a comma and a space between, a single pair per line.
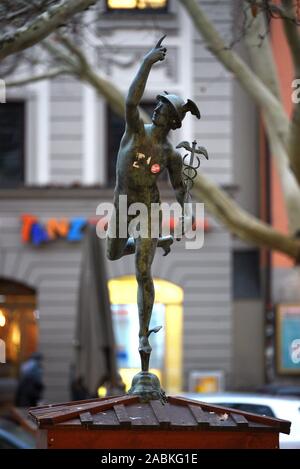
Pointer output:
35, 232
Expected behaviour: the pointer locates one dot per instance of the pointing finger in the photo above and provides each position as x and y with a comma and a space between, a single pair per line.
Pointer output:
160, 41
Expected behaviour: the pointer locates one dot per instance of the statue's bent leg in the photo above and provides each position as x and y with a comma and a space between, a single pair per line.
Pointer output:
119, 247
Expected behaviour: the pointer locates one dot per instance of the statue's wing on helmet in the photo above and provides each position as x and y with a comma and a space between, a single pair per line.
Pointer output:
192, 107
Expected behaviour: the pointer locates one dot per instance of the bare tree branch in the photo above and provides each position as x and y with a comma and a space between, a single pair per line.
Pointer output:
291, 189
292, 34
239, 222
261, 53
15, 14
250, 82
59, 54
272, 10
293, 38
263, 65
29, 34
42, 76
294, 142
75, 50
84, 71
9, 65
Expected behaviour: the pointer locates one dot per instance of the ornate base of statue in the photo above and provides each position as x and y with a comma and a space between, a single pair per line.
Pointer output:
147, 386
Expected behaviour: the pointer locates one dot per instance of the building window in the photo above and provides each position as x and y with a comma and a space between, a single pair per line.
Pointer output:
246, 274
11, 144
115, 130
137, 5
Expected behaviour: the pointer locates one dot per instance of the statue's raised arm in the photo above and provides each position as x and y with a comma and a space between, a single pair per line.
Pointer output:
137, 88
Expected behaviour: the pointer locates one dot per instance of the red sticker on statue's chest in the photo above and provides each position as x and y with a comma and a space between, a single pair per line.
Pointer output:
155, 168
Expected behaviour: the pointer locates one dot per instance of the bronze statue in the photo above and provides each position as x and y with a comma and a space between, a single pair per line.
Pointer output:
144, 154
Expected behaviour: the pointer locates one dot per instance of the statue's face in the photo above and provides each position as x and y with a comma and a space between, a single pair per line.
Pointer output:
162, 115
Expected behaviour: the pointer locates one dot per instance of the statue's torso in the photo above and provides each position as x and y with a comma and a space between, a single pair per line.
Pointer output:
140, 162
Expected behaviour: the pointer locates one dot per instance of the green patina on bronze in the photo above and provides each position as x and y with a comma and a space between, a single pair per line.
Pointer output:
144, 154
147, 386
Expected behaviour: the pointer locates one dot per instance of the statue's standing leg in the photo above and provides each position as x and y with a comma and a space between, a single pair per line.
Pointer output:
145, 251
117, 248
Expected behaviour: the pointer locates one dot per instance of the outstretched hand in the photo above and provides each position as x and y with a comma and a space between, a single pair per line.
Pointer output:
157, 53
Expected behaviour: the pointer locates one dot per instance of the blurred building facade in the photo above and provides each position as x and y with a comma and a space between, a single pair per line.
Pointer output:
64, 140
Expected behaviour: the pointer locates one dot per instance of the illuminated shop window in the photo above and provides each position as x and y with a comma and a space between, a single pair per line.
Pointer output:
18, 326
126, 326
166, 357
133, 5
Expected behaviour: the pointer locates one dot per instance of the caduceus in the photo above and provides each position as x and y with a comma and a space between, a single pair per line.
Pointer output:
190, 168
190, 171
